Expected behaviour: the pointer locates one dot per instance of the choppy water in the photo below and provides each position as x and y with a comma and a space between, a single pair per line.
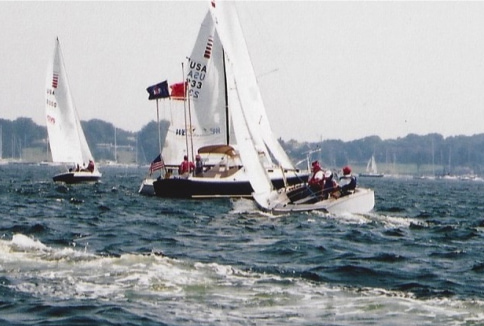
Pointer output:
104, 255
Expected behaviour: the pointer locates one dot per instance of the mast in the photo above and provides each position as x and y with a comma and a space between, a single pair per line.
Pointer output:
115, 147
186, 94
227, 118
158, 121
188, 121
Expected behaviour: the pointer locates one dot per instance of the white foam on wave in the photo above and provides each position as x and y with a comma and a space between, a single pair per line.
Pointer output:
21, 241
396, 221
247, 208
387, 221
243, 205
211, 293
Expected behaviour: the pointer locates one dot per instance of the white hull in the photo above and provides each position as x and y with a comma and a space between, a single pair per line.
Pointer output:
361, 202
146, 188
78, 177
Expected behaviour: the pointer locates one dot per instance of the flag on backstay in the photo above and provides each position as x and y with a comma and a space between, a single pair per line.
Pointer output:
158, 91
157, 164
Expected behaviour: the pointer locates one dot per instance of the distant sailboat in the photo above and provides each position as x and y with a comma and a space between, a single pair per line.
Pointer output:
68, 143
371, 169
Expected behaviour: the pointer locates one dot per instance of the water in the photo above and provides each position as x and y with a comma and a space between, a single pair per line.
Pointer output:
104, 255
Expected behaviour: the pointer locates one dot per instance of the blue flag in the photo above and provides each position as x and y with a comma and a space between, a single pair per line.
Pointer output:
158, 91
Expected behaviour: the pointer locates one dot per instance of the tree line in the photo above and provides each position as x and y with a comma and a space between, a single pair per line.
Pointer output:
455, 154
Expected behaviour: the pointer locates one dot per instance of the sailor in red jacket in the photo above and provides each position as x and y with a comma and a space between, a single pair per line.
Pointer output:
316, 181
186, 166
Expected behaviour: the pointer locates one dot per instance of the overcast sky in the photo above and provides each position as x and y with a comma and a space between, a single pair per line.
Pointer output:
327, 70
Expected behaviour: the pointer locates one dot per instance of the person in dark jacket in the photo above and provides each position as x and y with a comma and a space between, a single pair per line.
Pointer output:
198, 165
347, 182
330, 185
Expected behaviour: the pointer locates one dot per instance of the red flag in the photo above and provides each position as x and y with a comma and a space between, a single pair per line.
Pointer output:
178, 91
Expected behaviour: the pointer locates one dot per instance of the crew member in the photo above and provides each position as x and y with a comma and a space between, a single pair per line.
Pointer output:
185, 166
316, 181
330, 187
347, 182
90, 166
198, 165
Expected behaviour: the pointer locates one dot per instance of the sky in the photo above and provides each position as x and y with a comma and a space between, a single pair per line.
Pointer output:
326, 70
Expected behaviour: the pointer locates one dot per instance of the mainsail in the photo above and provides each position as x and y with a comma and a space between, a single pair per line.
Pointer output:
210, 119
67, 140
206, 123
231, 34
247, 109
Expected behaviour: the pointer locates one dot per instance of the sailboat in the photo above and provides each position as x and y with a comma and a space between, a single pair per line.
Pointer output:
68, 143
245, 96
201, 125
371, 169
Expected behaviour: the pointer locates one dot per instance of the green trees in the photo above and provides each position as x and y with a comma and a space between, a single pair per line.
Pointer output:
456, 154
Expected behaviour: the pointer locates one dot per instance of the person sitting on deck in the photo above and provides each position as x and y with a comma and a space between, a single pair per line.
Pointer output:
198, 165
347, 182
330, 187
185, 166
90, 166
316, 181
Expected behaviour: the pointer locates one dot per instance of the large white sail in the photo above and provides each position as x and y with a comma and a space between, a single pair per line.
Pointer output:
202, 120
245, 102
251, 159
231, 34
67, 140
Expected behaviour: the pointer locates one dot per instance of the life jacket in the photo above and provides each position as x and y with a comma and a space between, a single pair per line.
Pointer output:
317, 179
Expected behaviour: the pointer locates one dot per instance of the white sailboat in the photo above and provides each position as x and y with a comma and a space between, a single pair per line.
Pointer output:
203, 125
68, 143
245, 96
371, 169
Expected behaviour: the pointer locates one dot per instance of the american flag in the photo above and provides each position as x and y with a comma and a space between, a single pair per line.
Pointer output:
55, 80
157, 164
208, 48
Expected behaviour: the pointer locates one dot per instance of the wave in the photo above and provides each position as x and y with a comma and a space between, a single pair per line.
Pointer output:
191, 292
